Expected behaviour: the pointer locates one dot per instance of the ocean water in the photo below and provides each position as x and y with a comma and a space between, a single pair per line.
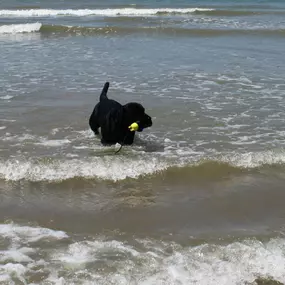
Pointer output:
198, 199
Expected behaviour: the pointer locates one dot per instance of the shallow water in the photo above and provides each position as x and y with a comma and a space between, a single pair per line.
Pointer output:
198, 199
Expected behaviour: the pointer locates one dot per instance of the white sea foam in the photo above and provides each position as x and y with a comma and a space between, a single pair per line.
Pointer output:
15, 259
6, 97
18, 233
11, 271
53, 143
232, 264
37, 140
20, 138
97, 12
81, 253
14, 255
109, 167
207, 264
19, 28
255, 159
151, 262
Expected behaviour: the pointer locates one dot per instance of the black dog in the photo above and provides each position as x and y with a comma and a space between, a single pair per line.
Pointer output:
115, 120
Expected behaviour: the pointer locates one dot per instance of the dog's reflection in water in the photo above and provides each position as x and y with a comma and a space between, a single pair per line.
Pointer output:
149, 145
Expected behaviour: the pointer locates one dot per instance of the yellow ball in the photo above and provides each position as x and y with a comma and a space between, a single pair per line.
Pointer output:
134, 127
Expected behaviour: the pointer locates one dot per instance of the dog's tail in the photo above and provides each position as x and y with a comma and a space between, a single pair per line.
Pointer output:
104, 91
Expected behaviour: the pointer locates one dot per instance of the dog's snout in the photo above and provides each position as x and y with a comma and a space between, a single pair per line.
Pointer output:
147, 121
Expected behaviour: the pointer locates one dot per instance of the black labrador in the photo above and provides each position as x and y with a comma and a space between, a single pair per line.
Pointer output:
115, 119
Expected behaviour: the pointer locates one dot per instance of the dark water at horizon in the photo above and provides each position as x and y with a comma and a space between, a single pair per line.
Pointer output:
198, 199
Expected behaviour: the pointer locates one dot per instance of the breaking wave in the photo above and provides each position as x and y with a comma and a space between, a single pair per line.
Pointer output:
37, 12
116, 168
20, 28
97, 12
108, 168
239, 13
26, 258
117, 30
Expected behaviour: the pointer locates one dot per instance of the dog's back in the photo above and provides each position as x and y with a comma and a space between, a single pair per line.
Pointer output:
102, 109
106, 105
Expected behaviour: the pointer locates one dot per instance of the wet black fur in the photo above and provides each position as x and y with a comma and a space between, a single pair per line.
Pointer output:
114, 119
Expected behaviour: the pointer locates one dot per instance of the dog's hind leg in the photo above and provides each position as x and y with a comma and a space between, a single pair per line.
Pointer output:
94, 120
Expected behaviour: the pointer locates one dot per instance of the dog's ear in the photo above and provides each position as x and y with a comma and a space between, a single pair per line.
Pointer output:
134, 110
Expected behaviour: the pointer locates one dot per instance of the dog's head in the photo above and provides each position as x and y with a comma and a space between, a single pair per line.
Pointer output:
135, 112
